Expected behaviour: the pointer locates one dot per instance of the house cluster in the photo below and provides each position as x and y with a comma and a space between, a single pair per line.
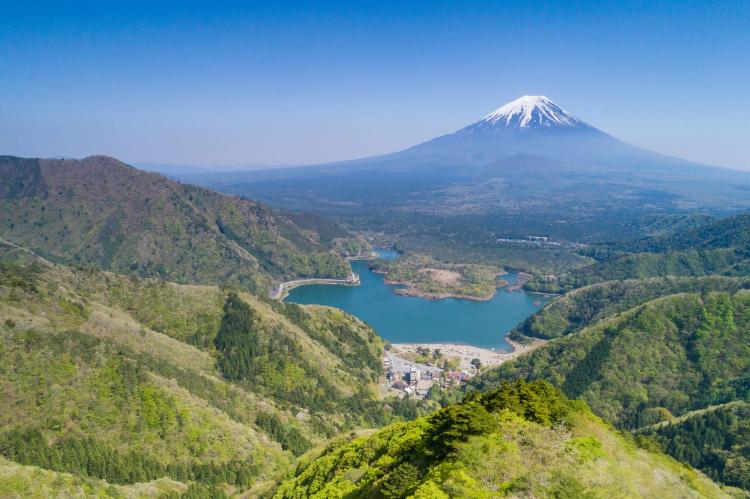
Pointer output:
417, 379
529, 241
455, 378
539, 241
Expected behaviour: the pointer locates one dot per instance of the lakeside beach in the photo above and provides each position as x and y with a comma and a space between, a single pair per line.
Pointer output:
465, 353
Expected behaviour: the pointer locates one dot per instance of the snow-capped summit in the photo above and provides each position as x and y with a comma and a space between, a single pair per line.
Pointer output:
529, 111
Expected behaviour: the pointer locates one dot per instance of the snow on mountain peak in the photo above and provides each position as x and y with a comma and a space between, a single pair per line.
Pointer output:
529, 111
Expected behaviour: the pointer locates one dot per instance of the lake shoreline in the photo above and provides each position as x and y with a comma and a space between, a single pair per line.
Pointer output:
355, 258
412, 291
428, 295
282, 290
466, 353
462, 320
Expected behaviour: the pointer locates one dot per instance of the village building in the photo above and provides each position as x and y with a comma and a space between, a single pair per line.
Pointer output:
414, 376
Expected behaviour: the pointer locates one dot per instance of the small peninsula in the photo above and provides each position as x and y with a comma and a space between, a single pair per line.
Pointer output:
428, 278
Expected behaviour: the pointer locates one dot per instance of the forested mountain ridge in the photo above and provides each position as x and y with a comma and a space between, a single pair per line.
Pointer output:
680, 352
721, 247
667, 356
715, 440
571, 312
729, 232
99, 211
128, 380
518, 440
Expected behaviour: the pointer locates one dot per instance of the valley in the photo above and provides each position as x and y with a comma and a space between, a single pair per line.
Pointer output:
161, 339
414, 319
471, 195
352, 250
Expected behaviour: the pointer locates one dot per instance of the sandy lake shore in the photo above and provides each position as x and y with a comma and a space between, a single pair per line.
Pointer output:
465, 353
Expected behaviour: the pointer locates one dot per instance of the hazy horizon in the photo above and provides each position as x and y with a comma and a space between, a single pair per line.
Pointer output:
270, 85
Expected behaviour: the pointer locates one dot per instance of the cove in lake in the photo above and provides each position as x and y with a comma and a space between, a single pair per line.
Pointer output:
407, 319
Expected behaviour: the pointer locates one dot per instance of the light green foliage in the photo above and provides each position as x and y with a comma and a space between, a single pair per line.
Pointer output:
76, 404
17, 481
584, 306
303, 357
491, 446
652, 364
680, 352
120, 381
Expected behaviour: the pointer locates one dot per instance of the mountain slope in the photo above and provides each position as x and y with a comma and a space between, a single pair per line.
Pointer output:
519, 441
715, 440
91, 390
31, 481
529, 125
308, 357
535, 127
664, 357
584, 306
720, 247
124, 379
101, 212
680, 352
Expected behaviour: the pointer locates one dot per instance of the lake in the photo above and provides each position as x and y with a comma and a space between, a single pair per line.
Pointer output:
406, 319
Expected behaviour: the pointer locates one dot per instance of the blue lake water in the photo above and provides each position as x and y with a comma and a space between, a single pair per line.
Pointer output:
406, 319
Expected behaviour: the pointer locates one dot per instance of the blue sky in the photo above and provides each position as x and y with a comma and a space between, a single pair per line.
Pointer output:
246, 83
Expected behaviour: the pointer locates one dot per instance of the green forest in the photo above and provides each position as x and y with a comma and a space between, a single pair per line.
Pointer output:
715, 440
718, 247
141, 354
657, 361
67, 211
123, 381
517, 440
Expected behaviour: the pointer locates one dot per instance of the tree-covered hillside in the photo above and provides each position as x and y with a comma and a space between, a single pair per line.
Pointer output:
679, 353
660, 359
732, 232
520, 440
720, 247
581, 307
651, 348
127, 380
99, 211
715, 440
725, 261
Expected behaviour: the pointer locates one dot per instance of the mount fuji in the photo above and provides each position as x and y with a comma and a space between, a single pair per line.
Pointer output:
530, 125
527, 113
528, 157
